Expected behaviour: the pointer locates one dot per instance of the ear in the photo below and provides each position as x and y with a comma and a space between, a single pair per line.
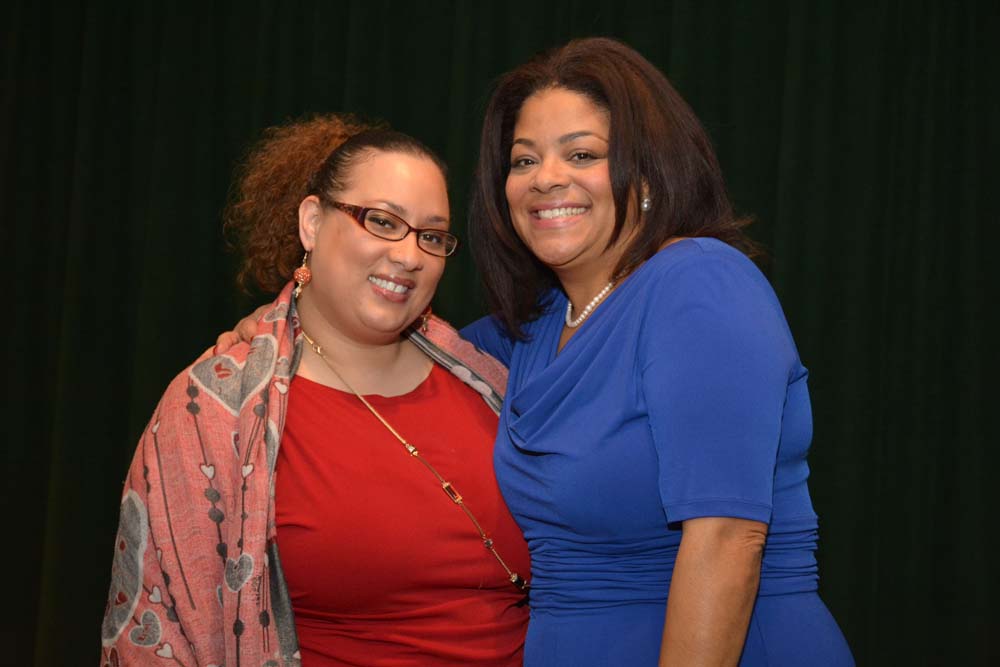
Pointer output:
310, 217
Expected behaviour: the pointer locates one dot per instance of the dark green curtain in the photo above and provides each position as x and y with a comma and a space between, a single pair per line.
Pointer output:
862, 136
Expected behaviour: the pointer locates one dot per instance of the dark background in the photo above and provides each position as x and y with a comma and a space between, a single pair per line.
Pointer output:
862, 135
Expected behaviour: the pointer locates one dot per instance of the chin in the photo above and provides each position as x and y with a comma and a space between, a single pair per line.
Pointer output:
387, 325
555, 258
555, 252
386, 328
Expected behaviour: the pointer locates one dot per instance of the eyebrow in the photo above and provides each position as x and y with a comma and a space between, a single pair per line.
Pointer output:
402, 212
564, 139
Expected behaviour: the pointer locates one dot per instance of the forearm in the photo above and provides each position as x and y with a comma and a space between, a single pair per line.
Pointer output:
712, 592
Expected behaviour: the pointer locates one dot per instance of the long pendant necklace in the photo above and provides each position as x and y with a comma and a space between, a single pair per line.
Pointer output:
446, 486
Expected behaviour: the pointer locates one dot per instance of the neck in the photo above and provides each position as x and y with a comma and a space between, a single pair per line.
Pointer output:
387, 365
582, 284
583, 281
580, 293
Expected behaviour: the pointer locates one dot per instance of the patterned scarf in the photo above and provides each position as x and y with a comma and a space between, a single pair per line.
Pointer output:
196, 578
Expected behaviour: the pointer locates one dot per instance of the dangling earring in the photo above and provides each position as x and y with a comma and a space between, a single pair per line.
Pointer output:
423, 320
302, 275
646, 204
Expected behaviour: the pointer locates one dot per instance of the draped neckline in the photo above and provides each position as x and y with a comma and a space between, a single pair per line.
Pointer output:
547, 382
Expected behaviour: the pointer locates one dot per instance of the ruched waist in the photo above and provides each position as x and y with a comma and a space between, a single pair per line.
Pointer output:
573, 577
577, 577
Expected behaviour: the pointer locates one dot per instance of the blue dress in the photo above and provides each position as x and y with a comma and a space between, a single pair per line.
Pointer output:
681, 396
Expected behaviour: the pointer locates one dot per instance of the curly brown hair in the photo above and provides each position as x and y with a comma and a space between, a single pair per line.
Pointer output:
271, 182
313, 156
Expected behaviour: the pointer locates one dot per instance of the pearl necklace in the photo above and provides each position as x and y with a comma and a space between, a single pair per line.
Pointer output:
588, 309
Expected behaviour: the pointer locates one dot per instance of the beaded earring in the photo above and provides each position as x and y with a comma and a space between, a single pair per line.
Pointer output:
302, 275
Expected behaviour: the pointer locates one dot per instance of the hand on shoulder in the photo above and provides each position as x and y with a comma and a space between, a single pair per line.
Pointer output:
243, 332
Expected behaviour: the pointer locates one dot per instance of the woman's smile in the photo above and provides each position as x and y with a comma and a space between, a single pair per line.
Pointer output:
391, 288
557, 215
559, 187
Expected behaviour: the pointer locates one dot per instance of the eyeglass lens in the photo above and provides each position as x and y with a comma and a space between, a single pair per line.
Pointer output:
389, 227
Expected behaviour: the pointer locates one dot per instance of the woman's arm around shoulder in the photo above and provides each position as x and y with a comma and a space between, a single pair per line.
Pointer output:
490, 336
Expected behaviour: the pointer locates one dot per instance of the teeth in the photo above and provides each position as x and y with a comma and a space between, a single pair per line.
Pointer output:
387, 285
564, 212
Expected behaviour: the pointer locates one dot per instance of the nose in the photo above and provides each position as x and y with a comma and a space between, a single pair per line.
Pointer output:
550, 174
406, 253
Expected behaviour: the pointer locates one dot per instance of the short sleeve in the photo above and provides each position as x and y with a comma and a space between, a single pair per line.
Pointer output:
715, 361
490, 336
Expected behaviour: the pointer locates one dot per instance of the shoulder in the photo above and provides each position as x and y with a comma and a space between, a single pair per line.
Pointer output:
232, 378
689, 258
172, 437
476, 367
486, 333
212, 390
702, 290
708, 271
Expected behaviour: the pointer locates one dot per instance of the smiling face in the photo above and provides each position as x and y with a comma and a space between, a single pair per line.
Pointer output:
559, 185
369, 289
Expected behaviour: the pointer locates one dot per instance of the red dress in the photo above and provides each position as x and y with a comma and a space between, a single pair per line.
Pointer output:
382, 568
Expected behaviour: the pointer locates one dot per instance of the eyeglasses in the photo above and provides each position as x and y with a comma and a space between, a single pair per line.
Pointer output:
391, 227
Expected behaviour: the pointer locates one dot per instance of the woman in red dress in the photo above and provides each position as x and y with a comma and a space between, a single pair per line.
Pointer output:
353, 436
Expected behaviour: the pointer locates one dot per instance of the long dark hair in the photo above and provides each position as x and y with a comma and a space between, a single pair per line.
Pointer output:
656, 145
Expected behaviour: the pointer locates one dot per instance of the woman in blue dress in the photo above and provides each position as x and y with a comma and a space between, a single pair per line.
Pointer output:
653, 442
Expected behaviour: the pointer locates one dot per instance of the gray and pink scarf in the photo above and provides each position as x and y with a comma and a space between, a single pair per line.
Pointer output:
196, 578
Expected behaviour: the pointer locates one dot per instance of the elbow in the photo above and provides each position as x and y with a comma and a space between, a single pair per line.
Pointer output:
751, 538
733, 541
742, 548
744, 542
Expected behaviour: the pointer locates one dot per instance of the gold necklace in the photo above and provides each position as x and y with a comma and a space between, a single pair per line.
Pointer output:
446, 486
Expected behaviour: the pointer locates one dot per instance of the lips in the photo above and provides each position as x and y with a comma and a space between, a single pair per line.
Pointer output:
556, 215
391, 284
560, 212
